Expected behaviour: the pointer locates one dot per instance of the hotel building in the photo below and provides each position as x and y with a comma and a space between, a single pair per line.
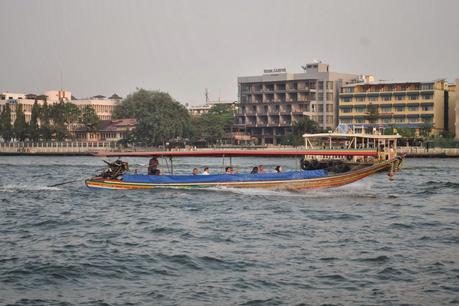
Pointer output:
384, 104
271, 103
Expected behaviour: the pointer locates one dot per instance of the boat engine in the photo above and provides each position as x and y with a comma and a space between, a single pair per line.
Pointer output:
114, 169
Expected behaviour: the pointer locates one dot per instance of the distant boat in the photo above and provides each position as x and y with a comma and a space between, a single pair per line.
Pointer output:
328, 160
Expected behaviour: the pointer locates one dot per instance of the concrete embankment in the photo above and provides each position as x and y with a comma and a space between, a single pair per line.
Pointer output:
420, 152
89, 149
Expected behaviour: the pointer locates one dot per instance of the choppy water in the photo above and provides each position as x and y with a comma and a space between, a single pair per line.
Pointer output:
373, 242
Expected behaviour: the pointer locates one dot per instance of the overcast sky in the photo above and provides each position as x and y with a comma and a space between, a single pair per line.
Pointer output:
183, 47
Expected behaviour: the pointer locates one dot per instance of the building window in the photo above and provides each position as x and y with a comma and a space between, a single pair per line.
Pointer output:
386, 120
359, 120
400, 97
373, 98
321, 85
412, 119
345, 121
387, 98
360, 99
320, 96
346, 99
329, 108
427, 97
413, 108
329, 96
329, 85
428, 86
427, 108
414, 97
399, 120
347, 110
400, 108
386, 109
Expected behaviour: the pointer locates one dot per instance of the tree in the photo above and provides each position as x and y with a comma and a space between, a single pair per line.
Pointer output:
89, 118
20, 125
45, 125
373, 113
159, 117
211, 126
302, 126
5, 123
34, 132
64, 114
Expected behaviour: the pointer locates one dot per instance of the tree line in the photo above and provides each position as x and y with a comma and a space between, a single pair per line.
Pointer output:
47, 122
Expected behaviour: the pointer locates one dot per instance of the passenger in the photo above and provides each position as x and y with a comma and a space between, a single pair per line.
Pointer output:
278, 169
261, 169
195, 171
229, 170
156, 172
205, 171
153, 166
254, 170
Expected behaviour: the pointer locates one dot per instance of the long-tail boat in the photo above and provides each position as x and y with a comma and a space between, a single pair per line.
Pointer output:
327, 160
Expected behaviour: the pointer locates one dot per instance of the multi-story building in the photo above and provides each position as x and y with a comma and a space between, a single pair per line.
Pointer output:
103, 107
415, 105
271, 103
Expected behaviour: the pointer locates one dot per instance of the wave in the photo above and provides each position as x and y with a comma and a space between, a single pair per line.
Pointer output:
27, 187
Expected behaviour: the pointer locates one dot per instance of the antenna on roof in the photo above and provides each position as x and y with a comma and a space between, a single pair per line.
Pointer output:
206, 94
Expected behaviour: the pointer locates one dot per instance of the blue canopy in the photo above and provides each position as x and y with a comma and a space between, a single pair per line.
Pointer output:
217, 178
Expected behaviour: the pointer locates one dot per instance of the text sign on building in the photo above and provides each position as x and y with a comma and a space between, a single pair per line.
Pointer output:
275, 70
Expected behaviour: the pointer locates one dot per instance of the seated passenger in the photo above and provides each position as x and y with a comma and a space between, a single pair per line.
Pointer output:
195, 171
205, 171
254, 170
278, 169
261, 169
229, 170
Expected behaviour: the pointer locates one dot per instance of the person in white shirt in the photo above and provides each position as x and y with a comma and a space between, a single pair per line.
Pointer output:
205, 171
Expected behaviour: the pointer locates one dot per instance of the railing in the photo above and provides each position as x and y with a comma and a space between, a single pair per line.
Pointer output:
56, 147
422, 151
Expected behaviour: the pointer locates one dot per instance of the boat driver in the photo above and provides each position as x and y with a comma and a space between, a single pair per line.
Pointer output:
153, 166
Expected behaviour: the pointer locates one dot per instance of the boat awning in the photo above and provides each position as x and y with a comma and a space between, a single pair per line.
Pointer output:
244, 153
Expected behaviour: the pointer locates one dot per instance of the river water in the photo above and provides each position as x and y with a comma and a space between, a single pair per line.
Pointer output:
374, 242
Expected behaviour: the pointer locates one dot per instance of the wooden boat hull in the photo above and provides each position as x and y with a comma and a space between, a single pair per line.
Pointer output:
297, 184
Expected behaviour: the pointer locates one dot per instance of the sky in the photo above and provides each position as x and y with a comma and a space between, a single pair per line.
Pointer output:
92, 47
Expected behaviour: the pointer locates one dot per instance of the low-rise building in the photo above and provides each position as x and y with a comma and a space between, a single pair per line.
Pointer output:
414, 105
270, 104
198, 110
103, 107
107, 130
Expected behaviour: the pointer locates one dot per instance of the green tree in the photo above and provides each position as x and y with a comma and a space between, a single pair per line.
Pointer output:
45, 124
211, 127
302, 126
34, 131
159, 117
20, 125
5, 123
373, 113
64, 114
89, 117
